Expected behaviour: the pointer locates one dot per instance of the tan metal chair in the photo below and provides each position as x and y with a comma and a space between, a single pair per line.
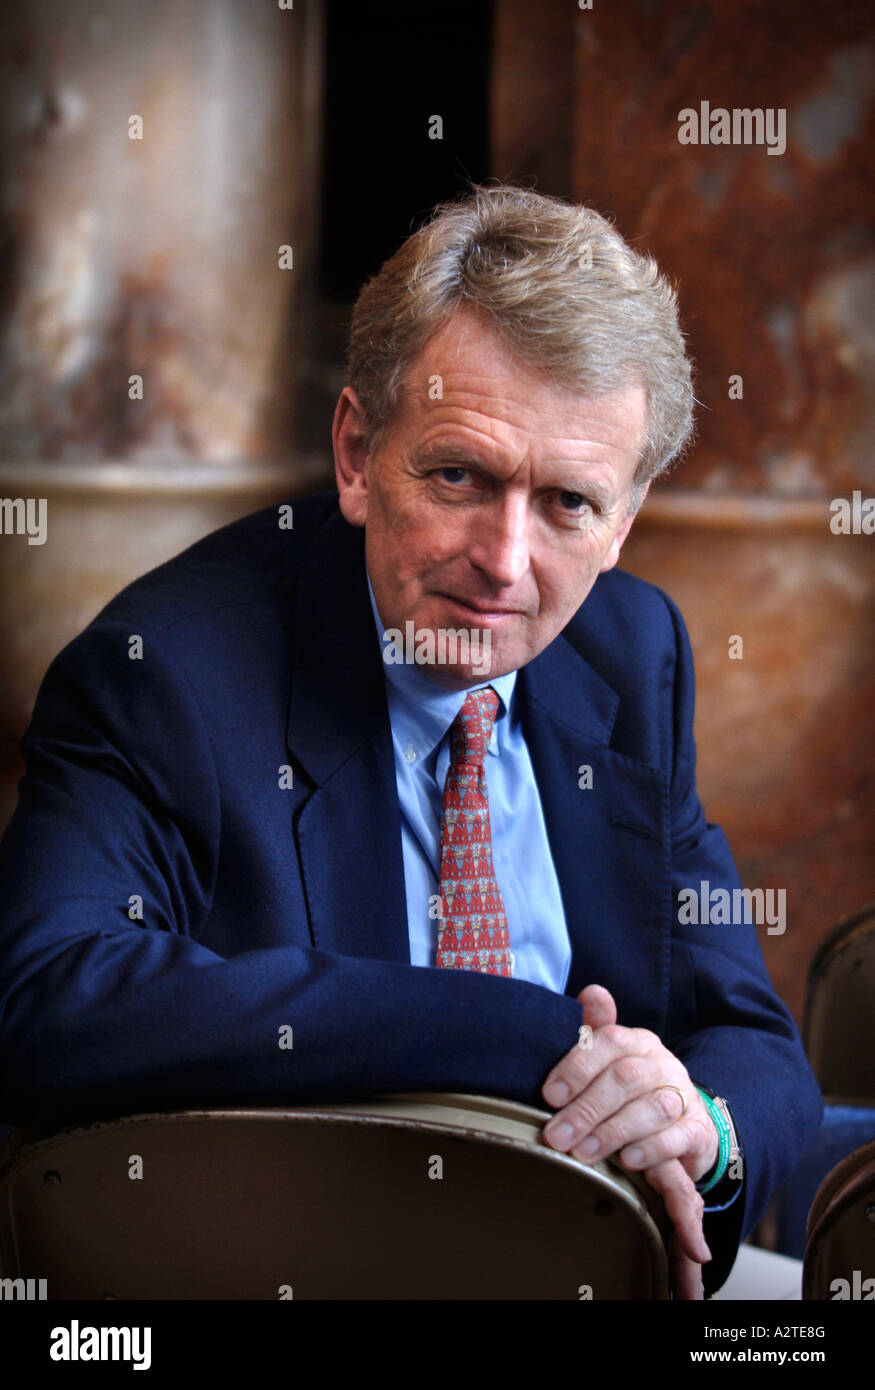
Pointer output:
840, 1236
838, 1026
431, 1196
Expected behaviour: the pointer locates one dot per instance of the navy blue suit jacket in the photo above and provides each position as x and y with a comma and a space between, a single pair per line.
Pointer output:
266, 905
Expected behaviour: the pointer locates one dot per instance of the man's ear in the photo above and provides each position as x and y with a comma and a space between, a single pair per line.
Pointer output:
351, 456
613, 554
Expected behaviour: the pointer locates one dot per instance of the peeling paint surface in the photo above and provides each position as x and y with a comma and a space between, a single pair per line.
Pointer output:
153, 257
773, 256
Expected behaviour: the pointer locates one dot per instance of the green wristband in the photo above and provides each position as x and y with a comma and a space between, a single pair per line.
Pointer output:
724, 1136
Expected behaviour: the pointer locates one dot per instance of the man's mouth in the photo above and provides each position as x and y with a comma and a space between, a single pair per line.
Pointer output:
480, 609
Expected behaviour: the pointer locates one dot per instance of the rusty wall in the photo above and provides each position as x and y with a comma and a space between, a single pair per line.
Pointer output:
154, 160
773, 251
158, 230
773, 257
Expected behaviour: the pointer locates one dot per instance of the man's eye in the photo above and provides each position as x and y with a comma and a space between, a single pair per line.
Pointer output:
574, 502
453, 474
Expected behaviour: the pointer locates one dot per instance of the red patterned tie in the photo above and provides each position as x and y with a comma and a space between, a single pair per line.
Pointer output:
472, 929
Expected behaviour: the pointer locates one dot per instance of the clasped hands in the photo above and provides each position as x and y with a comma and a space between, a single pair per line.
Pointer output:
612, 1097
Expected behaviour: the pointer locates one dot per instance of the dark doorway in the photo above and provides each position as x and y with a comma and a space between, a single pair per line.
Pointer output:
390, 67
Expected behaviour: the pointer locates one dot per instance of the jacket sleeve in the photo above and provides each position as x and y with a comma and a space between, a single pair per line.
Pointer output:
731, 1031
111, 1005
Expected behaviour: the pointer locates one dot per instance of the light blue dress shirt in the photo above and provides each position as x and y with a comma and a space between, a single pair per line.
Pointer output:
420, 714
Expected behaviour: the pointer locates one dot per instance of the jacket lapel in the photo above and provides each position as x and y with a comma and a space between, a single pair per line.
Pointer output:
348, 830
609, 842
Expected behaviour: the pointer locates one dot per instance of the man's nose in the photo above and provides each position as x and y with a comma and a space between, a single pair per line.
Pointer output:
501, 544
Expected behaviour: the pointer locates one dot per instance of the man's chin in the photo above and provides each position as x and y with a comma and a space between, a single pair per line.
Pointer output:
459, 677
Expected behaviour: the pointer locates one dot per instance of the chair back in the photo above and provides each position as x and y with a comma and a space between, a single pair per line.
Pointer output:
840, 1237
839, 1004
431, 1196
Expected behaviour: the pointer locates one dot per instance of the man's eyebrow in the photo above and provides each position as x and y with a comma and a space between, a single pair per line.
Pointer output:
452, 455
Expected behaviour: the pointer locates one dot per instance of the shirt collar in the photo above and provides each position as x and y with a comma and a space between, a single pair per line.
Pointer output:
420, 711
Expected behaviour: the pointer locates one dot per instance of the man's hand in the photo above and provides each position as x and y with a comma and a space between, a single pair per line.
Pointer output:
613, 1092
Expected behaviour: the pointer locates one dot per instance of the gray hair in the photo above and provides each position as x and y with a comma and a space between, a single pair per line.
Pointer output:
567, 295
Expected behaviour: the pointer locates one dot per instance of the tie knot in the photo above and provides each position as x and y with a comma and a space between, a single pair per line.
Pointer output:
472, 727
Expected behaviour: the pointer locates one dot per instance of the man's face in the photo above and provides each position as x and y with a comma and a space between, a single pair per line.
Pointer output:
494, 506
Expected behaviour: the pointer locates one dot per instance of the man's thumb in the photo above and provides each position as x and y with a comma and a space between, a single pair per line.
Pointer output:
599, 1008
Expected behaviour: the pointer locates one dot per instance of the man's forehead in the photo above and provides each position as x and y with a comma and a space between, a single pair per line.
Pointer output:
462, 326
467, 358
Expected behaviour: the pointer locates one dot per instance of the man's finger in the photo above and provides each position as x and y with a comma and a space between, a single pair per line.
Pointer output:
625, 1102
580, 1066
683, 1206
598, 1006
647, 1130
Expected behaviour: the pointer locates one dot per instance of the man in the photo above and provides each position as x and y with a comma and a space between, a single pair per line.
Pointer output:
243, 811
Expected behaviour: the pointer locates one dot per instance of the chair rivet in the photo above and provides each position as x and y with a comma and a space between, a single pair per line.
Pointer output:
51, 1178
870, 1212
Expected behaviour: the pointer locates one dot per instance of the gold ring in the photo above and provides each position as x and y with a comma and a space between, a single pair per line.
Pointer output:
682, 1096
